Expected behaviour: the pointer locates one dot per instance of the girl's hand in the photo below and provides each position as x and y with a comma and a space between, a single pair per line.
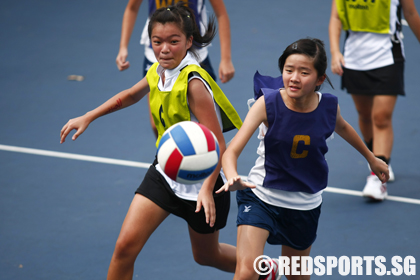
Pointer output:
226, 71
380, 168
80, 124
121, 60
234, 184
205, 199
337, 61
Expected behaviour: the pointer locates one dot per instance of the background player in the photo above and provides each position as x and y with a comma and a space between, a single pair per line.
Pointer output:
372, 69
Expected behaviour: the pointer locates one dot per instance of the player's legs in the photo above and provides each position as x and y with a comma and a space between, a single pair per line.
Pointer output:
208, 251
364, 104
250, 245
289, 252
142, 219
375, 121
383, 136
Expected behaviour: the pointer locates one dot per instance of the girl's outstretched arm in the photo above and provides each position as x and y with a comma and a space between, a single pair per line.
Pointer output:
347, 132
121, 100
254, 118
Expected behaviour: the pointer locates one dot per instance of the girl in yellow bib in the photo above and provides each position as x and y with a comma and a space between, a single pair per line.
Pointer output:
371, 67
180, 90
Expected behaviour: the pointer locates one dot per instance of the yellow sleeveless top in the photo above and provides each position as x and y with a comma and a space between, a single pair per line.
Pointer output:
365, 16
171, 107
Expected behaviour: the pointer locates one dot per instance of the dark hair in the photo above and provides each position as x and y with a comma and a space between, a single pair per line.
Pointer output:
312, 47
183, 16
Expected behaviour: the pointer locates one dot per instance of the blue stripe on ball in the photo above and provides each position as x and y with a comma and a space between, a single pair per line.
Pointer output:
182, 141
196, 175
163, 140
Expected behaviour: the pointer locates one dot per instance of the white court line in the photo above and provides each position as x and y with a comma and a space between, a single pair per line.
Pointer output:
74, 156
146, 165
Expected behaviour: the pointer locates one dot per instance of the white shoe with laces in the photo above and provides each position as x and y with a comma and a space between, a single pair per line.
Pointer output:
374, 188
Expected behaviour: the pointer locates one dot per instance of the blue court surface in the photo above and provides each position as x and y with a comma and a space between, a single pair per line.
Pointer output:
62, 206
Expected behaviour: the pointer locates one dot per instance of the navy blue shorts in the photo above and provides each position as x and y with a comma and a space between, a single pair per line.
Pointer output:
294, 228
205, 64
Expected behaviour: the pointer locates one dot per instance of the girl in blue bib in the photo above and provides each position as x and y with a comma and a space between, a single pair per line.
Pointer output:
280, 203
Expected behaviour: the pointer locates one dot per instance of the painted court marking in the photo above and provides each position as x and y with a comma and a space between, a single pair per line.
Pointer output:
146, 165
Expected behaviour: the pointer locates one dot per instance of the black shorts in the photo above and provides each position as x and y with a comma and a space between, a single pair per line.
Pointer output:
388, 80
155, 188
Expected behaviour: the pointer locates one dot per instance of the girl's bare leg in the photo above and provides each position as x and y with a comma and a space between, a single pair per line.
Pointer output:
142, 219
209, 252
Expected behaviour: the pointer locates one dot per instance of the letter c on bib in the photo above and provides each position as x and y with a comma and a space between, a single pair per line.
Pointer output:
306, 139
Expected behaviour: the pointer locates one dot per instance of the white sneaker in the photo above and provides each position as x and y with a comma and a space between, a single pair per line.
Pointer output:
391, 173
274, 273
374, 188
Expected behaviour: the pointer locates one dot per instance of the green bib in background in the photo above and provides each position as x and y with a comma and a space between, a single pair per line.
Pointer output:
365, 16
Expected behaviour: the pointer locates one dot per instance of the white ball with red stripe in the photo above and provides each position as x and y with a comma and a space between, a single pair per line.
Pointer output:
188, 152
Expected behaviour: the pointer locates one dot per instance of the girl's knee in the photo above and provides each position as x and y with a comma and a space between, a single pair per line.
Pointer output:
203, 258
245, 268
125, 249
382, 120
245, 272
366, 119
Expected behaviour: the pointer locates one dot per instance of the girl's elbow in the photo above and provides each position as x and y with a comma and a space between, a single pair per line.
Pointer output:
340, 129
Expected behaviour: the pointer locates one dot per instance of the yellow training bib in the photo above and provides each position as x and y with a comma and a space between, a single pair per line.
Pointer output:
171, 107
365, 16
